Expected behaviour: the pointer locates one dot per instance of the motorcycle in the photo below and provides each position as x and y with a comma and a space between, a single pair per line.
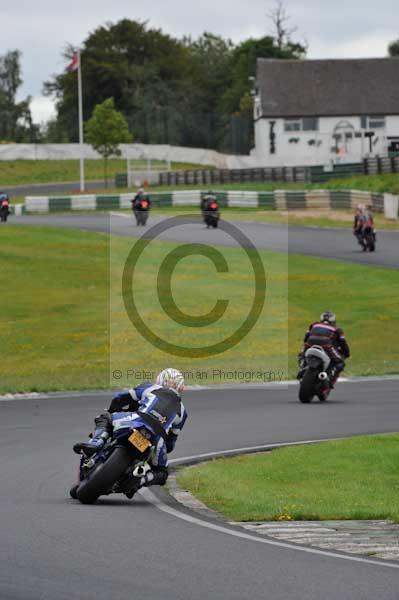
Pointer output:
211, 215
314, 378
368, 239
141, 211
116, 468
4, 210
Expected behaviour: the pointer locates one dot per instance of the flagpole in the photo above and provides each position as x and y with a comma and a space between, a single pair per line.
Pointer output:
81, 147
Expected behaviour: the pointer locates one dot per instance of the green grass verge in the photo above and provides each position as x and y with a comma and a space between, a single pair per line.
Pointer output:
356, 478
388, 183
56, 319
22, 172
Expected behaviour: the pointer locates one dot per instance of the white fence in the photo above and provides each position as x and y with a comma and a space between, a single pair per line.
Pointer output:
199, 156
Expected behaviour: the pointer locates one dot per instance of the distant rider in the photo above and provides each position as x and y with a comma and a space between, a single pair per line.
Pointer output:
325, 333
141, 202
160, 407
208, 199
363, 220
4, 205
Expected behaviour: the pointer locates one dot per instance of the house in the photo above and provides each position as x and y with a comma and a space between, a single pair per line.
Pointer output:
313, 112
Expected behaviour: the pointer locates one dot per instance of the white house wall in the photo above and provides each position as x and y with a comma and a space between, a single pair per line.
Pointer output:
318, 153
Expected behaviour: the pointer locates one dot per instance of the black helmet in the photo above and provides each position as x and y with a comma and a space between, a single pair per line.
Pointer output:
328, 317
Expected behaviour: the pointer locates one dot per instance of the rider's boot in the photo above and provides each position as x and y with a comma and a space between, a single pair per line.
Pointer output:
93, 444
153, 476
96, 440
156, 476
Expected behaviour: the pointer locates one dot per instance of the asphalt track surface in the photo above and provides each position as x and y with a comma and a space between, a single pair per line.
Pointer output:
55, 548
338, 244
56, 188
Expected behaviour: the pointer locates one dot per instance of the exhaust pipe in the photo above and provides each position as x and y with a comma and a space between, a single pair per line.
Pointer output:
323, 376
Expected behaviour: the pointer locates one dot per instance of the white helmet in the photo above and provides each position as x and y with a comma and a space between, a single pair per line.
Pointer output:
171, 378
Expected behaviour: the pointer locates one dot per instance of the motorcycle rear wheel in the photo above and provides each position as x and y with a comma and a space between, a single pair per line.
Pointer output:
103, 477
307, 386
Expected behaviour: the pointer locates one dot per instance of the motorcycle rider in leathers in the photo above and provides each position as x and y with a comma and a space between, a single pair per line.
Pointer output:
160, 406
363, 219
332, 339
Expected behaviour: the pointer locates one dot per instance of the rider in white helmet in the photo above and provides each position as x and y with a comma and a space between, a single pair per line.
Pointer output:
159, 407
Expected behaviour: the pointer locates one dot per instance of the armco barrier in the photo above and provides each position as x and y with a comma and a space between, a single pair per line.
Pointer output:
277, 200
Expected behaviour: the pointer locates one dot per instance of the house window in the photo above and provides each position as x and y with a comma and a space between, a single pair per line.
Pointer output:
310, 124
372, 122
292, 124
376, 122
305, 124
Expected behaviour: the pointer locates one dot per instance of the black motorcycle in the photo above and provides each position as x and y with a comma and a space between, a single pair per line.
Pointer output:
141, 210
368, 239
116, 468
211, 215
4, 210
314, 376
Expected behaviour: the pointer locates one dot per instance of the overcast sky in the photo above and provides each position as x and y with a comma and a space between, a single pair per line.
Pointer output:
332, 29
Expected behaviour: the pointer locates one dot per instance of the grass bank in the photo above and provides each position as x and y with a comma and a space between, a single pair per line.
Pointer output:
23, 172
356, 478
59, 329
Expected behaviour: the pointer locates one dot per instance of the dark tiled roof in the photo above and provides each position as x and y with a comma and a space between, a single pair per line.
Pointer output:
328, 87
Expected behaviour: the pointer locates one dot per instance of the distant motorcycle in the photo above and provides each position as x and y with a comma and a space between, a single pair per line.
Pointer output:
211, 215
141, 210
4, 209
116, 468
368, 239
315, 379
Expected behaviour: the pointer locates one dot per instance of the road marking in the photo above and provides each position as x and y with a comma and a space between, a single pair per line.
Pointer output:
124, 215
152, 499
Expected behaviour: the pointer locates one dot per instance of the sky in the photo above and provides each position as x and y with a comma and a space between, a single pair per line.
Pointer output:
331, 29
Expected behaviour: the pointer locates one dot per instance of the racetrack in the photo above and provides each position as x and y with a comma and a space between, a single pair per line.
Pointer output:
54, 548
337, 244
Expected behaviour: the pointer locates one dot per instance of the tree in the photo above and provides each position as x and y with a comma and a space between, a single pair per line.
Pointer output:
105, 130
15, 117
282, 32
144, 70
393, 48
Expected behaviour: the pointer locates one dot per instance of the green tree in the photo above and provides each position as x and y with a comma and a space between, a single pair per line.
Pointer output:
393, 48
105, 130
15, 117
144, 70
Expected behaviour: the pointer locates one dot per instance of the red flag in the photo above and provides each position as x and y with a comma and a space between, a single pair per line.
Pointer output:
74, 65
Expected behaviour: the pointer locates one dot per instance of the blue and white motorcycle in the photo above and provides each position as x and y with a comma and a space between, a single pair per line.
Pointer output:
119, 465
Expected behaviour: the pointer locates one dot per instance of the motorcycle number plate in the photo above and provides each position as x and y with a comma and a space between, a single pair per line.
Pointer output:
139, 441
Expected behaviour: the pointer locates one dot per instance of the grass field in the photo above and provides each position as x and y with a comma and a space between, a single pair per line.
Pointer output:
356, 478
22, 172
57, 319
